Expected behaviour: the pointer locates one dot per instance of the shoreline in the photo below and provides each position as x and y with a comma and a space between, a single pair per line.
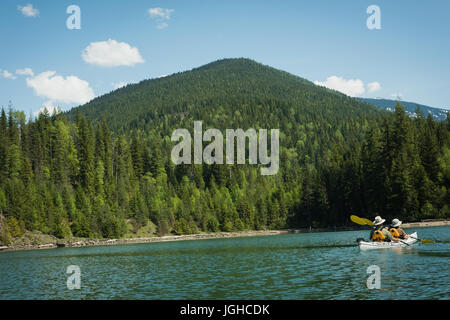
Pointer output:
427, 223
79, 242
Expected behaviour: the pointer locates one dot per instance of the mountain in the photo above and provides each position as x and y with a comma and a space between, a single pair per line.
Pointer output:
223, 87
438, 114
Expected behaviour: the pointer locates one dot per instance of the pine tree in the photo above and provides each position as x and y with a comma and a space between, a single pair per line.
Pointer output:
85, 146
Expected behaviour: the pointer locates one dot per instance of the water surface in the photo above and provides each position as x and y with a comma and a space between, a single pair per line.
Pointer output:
326, 265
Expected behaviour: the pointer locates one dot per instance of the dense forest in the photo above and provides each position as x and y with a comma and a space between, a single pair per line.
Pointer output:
104, 169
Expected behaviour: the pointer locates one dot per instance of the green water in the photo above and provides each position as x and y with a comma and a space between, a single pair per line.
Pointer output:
290, 266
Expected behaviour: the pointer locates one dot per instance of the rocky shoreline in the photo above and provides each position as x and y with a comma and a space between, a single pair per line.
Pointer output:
79, 242
53, 242
427, 223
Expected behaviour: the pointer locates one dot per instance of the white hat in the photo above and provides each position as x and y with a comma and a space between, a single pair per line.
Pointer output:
378, 221
395, 223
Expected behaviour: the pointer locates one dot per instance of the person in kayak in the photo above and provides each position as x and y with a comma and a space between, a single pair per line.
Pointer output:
396, 231
381, 233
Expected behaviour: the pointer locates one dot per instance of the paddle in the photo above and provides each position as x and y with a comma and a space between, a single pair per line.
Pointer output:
360, 221
368, 222
424, 240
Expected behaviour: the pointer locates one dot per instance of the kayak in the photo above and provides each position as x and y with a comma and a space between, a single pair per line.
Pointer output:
366, 245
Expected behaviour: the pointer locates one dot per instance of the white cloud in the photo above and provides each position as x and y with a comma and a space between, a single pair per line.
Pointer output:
25, 72
162, 26
28, 10
50, 108
57, 88
111, 53
374, 86
119, 85
7, 75
352, 87
160, 13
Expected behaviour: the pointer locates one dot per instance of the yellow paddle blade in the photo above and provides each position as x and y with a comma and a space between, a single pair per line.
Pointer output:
358, 220
367, 221
424, 240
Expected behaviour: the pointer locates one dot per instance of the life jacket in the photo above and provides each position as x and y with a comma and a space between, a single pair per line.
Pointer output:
378, 236
394, 232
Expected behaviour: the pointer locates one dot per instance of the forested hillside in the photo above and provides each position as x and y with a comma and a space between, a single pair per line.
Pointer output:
104, 168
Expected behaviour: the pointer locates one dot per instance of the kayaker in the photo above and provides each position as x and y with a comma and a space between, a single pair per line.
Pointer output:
396, 231
380, 232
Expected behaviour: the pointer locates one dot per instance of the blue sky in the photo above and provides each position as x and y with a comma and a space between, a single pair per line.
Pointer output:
327, 42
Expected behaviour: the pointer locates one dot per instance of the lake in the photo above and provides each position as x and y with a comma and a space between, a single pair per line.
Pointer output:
325, 265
